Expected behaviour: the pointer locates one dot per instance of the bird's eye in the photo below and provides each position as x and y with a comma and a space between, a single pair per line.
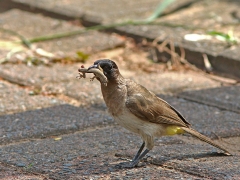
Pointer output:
107, 68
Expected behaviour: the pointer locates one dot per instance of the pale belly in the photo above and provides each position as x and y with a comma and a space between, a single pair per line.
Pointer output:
129, 121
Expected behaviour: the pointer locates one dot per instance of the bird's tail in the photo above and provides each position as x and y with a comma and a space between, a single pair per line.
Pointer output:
204, 138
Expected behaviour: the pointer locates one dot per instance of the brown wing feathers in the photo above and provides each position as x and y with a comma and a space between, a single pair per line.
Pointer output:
148, 107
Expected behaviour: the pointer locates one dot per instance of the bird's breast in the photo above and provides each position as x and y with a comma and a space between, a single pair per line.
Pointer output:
115, 98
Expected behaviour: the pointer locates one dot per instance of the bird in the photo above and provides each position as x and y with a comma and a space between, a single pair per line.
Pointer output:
142, 112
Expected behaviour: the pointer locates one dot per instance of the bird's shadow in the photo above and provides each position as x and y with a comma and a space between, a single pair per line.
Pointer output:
162, 160
110, 167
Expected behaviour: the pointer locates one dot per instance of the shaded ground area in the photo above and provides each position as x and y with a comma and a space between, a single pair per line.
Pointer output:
54, 126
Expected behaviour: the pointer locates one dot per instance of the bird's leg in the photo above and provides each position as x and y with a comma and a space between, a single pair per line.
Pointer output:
136, 158
135, 162
139, 151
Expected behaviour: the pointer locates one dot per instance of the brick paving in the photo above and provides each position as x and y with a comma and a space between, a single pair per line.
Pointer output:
54, 126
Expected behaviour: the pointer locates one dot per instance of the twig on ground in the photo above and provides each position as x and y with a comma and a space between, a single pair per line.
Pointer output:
177, 60
207, 63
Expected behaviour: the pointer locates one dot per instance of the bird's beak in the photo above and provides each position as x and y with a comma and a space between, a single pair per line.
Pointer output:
96, 66
93, 66
98, 73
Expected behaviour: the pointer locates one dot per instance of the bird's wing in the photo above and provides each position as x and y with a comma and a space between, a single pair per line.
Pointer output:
148, 107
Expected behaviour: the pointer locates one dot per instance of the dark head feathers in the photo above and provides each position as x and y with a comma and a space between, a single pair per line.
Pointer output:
106, 62
110, 68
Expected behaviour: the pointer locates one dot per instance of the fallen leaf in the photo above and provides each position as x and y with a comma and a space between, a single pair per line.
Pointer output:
57, 138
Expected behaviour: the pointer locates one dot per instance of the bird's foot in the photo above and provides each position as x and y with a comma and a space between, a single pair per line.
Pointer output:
129, 164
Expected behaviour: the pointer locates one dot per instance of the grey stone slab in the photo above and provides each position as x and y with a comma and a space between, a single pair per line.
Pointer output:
174, 82
227, 98
150, 172
8, 173
212, 168
162, 82
61, 79
34, 25
38, 75
227, 61
91, 154
16, 99
86, 93
203, 163
61, 119
103, 11
56, 79
49, 121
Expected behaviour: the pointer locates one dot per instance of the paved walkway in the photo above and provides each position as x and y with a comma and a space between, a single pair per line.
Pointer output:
54, 126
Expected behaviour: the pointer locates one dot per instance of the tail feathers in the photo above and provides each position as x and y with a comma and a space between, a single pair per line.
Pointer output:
205, 139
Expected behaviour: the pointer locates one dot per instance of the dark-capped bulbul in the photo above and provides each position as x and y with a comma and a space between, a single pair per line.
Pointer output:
141, 111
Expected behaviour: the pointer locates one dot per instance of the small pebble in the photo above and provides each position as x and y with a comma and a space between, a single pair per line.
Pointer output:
67, 164
20, 165
66, 169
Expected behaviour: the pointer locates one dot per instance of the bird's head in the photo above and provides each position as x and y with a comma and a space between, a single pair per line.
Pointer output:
108, 67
